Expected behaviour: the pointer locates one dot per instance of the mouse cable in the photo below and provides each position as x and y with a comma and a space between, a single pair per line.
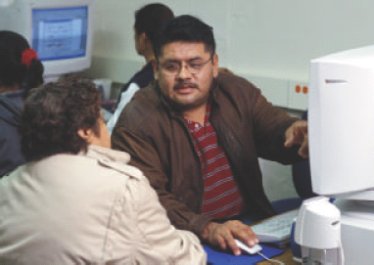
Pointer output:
272, 261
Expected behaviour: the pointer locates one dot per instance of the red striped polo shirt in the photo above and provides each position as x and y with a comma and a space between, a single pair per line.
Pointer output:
221, 197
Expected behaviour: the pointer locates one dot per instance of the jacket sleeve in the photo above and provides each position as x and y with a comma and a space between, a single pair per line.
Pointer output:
268, 122
158, 236
145, 156
270, 125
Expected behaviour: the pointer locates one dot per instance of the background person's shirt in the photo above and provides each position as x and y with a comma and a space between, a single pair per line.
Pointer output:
10, 140
139, 80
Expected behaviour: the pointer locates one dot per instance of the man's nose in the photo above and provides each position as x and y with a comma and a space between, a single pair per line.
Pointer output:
184, 72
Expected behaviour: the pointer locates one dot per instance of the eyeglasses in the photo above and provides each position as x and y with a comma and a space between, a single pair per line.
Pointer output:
174, 67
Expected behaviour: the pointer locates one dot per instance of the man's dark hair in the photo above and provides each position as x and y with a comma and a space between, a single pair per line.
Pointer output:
12, 70
186, 28
151, 18
54, 113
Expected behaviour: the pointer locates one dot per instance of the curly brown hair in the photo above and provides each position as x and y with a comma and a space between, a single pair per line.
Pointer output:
54, 113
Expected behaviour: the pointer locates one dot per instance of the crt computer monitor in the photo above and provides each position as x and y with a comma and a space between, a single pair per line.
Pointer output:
341, 123
59, 30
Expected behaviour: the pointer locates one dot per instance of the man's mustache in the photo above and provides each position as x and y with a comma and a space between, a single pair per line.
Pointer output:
182, 84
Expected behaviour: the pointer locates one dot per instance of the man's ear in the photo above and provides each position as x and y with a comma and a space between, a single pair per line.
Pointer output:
155, 69
215, 65
85, 134
143, 39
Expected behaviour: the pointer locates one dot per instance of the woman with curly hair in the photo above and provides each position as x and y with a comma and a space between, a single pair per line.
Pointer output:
77, 201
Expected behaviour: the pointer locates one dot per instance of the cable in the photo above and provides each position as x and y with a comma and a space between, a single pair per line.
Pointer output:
272, 261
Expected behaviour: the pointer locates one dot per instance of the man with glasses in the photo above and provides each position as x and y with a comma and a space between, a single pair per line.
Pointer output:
197, 134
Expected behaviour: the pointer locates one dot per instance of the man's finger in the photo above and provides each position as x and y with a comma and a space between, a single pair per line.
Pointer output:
222, 242
304, 148
233, 246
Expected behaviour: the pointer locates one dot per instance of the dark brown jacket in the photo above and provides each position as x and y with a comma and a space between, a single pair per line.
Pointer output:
160, 145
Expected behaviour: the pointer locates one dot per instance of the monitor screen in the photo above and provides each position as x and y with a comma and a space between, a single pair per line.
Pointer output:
60, 33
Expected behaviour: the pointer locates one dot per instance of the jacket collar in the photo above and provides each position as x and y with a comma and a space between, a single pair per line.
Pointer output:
102, 153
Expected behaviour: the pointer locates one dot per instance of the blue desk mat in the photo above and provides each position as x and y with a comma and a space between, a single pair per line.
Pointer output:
217, 257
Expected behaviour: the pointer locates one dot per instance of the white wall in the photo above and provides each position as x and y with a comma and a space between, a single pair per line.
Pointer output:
268, 41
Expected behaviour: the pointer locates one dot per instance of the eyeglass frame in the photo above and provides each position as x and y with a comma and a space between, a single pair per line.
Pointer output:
193, 70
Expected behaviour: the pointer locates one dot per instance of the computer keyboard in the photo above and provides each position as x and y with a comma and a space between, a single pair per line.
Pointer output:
275, 229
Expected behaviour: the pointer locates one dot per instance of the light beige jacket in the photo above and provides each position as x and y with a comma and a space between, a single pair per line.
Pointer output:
89, 208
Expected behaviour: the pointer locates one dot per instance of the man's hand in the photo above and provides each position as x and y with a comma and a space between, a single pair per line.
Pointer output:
297, 134
223, 235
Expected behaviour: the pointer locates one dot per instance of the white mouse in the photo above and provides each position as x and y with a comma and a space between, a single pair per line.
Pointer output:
250, 250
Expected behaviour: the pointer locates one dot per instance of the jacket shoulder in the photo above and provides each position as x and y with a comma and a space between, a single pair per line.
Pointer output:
142, 110
236, 89
9, 111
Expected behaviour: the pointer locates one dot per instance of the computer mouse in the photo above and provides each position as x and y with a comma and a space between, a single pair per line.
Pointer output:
250, 250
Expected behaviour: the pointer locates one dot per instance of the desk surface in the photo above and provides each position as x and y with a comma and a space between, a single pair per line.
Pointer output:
286, 258
218, 257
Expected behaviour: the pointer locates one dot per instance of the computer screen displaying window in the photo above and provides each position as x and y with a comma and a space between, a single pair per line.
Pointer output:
60, 33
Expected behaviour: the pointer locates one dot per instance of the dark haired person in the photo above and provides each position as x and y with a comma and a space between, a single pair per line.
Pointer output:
20, 70
77, 201
197, 135
148, 23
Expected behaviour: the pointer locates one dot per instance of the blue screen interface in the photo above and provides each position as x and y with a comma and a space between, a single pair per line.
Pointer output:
60, 33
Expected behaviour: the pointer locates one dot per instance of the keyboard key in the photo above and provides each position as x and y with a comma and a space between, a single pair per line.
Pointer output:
276, 228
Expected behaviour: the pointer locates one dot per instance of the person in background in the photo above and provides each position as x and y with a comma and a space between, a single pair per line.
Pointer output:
20, 70
77, 201
148, 22
197, 134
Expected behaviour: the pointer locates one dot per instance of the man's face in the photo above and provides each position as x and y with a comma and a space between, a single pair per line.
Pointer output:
104, 139
185, 73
